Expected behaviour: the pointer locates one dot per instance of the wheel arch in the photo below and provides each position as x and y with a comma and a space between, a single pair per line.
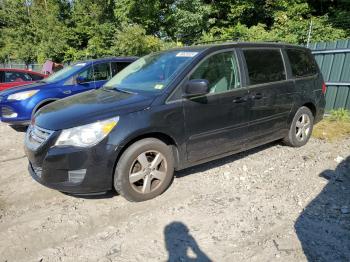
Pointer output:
308, 103
43, 103
165, 138
312, 107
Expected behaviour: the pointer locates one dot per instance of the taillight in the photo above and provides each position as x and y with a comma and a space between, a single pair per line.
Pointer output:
324, 88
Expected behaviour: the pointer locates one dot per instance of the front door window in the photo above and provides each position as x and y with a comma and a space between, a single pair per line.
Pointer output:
221, 71
97, 72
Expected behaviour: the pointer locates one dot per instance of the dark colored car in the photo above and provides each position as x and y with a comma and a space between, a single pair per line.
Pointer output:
10, 77
19, 104
174, 109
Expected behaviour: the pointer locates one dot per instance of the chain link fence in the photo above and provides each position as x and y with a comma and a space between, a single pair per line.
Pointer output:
32, 67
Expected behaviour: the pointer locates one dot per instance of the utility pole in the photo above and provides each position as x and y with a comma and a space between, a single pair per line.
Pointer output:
309, 34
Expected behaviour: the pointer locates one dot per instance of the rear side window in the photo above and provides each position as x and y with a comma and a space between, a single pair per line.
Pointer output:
302, 62
264, 65
118, 66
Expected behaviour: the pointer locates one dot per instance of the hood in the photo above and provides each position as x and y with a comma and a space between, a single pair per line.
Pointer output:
89, 107
17, 89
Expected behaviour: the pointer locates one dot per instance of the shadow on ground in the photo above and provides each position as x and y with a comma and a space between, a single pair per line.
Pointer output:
323, 228
181, 245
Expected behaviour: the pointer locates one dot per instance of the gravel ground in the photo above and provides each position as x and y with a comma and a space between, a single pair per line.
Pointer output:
273, 203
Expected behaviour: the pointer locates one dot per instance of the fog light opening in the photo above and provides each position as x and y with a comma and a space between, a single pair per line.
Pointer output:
12, 115
76, 176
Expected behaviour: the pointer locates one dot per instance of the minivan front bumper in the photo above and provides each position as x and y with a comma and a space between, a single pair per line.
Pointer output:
71, 169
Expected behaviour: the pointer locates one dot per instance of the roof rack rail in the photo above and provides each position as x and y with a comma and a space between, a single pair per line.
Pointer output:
235, 39
216, 40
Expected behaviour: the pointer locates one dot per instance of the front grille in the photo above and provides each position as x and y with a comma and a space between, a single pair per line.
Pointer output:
37, 136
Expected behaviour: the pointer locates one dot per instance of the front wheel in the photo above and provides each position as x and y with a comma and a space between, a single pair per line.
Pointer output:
145, 170
301, 128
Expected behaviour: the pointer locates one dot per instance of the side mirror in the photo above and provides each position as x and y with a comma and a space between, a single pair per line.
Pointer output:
196, 87
80, 80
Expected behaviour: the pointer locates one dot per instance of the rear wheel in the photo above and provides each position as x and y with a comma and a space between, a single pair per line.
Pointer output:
145, 170
301, 128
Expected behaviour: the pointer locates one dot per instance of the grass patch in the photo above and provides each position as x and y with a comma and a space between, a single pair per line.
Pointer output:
333, 127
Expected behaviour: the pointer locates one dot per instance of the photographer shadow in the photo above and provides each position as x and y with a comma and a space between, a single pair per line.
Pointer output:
323, 227
180, 244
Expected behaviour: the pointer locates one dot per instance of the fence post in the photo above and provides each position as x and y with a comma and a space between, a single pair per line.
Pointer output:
309, 34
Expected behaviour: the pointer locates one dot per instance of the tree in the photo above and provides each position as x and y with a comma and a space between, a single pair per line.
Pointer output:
280, 20
132, 40
70, 30
17, 32
93, 28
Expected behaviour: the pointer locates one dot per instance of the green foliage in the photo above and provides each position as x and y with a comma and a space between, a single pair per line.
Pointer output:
340, 114
69, 30
286, 21
132, 40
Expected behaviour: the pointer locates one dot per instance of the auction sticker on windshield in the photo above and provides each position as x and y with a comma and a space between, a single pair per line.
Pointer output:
158, 86
186, 54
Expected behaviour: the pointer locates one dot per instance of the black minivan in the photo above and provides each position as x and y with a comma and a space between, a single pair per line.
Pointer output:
174, 109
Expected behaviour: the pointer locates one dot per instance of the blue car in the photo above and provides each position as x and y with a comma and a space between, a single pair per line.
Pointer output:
18, 104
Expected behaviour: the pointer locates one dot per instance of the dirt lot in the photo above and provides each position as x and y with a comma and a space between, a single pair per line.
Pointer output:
273, 203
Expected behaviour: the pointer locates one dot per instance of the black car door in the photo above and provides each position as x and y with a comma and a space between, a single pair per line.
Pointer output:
270, 94
217, 122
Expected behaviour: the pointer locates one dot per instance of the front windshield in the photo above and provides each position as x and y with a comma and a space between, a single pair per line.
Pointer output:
151, 73
63, 73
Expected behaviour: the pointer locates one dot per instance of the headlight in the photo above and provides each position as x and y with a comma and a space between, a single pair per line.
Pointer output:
87, 135
22, 95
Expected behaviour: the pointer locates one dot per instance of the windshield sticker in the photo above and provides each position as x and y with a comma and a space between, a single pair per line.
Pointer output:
158, 86
80, 64
186, 54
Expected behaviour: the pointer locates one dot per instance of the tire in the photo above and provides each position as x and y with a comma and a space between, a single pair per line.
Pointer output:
301, 128
145, 170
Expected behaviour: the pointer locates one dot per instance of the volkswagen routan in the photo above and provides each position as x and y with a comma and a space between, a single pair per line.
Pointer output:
174, 109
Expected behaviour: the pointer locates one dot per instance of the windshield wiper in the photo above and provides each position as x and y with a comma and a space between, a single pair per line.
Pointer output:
112, 88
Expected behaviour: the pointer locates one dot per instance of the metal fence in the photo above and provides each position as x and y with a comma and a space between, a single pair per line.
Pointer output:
334, 60
33, 67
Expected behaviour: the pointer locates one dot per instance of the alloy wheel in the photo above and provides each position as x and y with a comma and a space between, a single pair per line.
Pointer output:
148, 171
303, 127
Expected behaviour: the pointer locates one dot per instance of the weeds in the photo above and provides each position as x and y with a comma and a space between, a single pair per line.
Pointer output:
333, 127
340, 115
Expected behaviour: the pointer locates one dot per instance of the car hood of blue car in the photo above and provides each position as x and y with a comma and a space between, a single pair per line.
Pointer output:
28, 87
89, 107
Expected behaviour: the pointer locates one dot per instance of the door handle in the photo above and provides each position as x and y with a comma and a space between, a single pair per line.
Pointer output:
67, 92
239, 99
257, 96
